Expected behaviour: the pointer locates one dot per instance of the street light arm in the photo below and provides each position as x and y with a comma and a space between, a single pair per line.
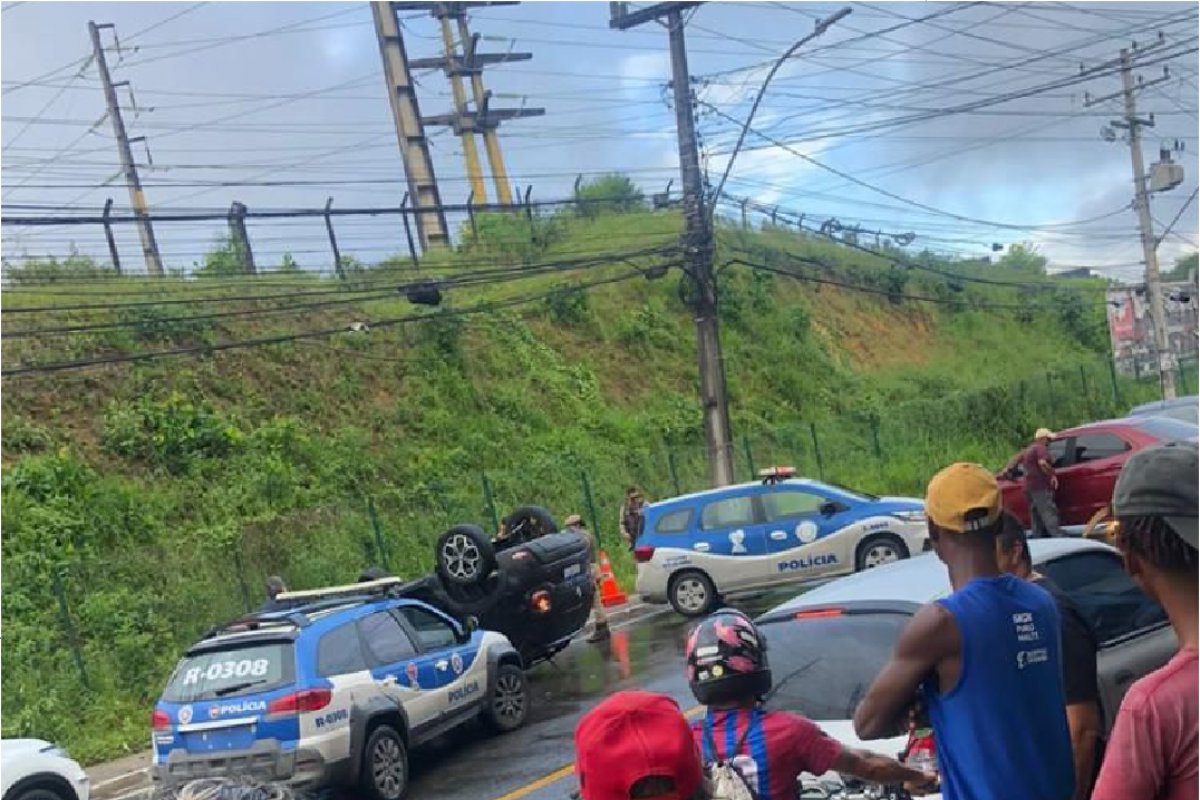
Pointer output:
821, 27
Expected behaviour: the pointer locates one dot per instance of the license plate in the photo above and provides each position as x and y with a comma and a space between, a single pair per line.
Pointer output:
572, 571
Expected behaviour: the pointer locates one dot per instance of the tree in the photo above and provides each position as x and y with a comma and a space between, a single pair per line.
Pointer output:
1183, 269
1024, 257
612, 193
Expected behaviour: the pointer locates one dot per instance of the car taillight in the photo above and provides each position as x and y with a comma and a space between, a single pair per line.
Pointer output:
643, 554
540, 602
297, 702
522, 555
159, 720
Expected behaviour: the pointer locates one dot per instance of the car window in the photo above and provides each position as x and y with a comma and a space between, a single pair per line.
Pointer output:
727, 513
674, 521
1106, 595
826, 682
790, 504
231, 672
1097, 446
433, 632
340, 652
386, 641
1058, 451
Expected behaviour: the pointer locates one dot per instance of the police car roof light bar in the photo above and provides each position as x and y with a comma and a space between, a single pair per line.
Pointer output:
381, 586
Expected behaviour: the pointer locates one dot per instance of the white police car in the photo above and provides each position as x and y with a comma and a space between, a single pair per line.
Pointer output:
696, 548
333, 690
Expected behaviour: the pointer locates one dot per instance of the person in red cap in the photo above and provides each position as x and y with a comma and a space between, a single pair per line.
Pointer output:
637, 745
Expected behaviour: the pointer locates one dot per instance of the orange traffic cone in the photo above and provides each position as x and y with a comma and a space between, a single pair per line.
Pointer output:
610, 592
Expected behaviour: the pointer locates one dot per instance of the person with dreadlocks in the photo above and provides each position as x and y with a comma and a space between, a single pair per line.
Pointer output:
727, 671
1153, 749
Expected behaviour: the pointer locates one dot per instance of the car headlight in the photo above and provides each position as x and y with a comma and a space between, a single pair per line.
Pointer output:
910, 516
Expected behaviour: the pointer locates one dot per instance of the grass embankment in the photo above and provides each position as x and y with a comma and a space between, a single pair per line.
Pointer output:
155, 496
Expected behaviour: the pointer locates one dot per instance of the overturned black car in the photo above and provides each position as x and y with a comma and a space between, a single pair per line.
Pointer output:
532, 583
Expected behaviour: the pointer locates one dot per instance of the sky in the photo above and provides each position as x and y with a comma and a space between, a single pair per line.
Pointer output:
966, 124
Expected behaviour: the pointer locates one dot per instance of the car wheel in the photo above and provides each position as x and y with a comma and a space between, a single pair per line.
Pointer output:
530, 522
509, 704
692, 594
41, 793
473, 601
880, 549
385, 765
464, 555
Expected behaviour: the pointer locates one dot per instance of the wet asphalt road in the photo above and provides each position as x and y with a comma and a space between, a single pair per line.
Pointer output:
534, 762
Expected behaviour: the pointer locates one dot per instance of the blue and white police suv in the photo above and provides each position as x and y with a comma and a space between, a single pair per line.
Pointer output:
333, 690
700, 547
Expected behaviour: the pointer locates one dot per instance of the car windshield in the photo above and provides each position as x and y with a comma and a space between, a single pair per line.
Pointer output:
231, 672
1169, 430
822, 665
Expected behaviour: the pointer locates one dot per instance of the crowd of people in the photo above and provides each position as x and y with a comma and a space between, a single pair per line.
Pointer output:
1004, 670
1004, 667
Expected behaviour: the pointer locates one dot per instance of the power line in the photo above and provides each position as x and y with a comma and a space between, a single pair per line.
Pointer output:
205, 349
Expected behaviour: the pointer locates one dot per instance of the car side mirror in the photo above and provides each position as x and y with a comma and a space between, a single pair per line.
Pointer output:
470, 625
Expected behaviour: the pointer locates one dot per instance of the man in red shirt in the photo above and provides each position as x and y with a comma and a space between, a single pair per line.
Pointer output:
727, 671
1037, 470
1153, 750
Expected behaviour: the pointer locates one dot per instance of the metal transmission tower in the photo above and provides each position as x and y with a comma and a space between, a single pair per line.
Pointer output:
698, 241
483, 119
1134, 124
414, 147
137, 199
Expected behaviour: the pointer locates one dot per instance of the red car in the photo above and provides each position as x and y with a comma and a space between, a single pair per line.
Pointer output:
1088, 459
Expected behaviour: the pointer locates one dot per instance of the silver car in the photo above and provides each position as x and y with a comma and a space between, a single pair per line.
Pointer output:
829, 644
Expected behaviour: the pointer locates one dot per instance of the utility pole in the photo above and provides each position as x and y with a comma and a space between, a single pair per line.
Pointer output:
471, 63
414, 146
136, 198
698, 241
1154, 293
239, 238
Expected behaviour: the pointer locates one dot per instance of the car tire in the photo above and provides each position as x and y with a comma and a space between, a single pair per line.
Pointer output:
535, 521
41, 793
385, 765
472, 601
464, 555
692, 593
508, 707
879, 549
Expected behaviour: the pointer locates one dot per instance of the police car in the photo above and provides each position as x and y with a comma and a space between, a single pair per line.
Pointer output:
696, 548
335, 689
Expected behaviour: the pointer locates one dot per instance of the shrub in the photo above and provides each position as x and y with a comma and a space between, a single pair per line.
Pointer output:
607, 194
50, 270
170, 433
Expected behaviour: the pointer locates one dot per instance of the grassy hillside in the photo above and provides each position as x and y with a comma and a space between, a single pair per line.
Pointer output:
144, 501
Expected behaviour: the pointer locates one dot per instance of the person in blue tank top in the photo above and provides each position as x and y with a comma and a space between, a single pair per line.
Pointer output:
986, 657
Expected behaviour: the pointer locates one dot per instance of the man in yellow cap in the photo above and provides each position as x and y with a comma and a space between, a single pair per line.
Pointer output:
1040, 481
986, 659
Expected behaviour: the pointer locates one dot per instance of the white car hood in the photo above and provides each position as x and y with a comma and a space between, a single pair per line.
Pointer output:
842, 730
15, 748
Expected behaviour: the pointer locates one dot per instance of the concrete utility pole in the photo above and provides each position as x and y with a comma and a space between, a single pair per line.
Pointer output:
1154, 293
470, 64
136, 198
414, 146
239, 238
698, 241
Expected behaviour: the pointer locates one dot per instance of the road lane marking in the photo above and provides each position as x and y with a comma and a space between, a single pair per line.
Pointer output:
567, 769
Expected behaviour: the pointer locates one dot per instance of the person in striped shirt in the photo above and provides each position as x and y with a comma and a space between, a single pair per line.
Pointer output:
727, 671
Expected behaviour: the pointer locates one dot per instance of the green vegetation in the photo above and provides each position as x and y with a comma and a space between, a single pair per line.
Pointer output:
1185, 267
144, 502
